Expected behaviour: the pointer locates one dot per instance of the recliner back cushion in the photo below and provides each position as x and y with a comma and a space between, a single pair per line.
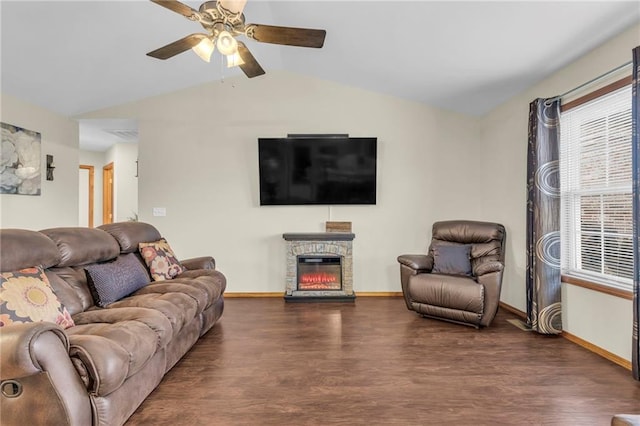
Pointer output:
78, 247
130, 234
467, 232
70, 285
82, 246
485, 238
21, 248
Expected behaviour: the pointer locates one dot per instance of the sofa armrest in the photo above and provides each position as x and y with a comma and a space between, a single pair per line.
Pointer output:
20, 346
37, 372
487, 267
204, 262
418, 262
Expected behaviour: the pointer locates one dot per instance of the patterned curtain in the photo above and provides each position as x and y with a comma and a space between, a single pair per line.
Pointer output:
543, 218
635, 161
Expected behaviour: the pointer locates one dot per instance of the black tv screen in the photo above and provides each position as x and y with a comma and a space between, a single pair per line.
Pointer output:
317, 170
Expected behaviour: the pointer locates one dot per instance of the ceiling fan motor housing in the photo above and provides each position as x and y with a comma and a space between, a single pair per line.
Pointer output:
215, 14
208, 6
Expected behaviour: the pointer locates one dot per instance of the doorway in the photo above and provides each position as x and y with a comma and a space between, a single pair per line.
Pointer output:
86, 202
107, 193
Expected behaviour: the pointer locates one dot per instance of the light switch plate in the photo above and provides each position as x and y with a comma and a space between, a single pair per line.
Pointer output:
159, 211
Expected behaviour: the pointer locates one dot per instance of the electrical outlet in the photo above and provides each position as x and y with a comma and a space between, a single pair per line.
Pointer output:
159, 211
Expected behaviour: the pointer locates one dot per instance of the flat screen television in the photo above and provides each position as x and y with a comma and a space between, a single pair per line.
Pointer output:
317, 170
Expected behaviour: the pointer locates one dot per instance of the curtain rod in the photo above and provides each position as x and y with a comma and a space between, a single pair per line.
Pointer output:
593, 80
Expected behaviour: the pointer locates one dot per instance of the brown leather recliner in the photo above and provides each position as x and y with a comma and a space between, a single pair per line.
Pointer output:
460, 278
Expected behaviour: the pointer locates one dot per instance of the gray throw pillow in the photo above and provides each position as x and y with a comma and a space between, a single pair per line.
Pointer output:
111, 281
452, 259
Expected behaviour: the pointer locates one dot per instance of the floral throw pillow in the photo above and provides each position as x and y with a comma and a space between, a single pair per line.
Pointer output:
162, 263
26, 296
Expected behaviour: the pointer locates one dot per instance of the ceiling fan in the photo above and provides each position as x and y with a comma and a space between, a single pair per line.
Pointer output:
223, 21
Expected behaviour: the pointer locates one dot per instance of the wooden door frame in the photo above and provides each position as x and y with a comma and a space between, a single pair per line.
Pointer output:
107, 193
91, 170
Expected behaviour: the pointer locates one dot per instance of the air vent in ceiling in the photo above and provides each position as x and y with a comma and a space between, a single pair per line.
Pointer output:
126, 135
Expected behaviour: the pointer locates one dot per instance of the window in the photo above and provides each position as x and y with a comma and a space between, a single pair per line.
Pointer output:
596, 200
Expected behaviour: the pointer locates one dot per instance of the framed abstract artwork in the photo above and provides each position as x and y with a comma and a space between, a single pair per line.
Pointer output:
20, 161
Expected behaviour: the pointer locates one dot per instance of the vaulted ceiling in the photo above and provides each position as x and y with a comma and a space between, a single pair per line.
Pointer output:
77, 56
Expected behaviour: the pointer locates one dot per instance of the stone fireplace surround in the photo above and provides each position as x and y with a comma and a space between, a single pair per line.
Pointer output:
319, 244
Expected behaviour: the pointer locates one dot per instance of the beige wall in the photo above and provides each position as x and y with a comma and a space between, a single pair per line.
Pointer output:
504, 142
199, 160
58, 203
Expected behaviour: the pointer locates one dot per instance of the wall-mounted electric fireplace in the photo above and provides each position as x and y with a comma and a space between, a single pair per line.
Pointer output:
319, 267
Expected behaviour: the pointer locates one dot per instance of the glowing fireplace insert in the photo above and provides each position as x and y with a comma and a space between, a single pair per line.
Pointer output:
319, 273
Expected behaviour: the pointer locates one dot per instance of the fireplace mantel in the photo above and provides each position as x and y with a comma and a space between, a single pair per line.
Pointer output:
319, 236
334, 244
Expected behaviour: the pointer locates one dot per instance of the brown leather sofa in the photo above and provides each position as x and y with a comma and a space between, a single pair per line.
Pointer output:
102, 368
460, 278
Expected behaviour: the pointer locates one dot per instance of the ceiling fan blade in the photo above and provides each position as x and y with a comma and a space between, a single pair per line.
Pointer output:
303, 37
179, 46
251, 67
177, 7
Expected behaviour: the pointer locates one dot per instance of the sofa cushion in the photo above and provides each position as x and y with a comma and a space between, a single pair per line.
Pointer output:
210, 281
182, 287
82, 246
27, 296
152, 318
70, 285
452, 259
160, 259
22, 248
130, 234
178, 307
179, 300
114, 280
111, 352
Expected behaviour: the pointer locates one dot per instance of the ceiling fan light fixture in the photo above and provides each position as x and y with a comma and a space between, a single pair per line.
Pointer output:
234, 60
227, 44
204, 49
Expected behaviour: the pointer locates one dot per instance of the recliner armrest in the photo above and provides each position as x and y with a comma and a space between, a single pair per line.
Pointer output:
204, 262
487, 267
37, 370
418, 262
19, 346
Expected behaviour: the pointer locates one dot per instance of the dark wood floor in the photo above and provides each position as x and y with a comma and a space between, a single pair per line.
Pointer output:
373, 362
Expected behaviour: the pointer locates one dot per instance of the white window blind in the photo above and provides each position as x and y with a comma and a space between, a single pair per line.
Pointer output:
595, 176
